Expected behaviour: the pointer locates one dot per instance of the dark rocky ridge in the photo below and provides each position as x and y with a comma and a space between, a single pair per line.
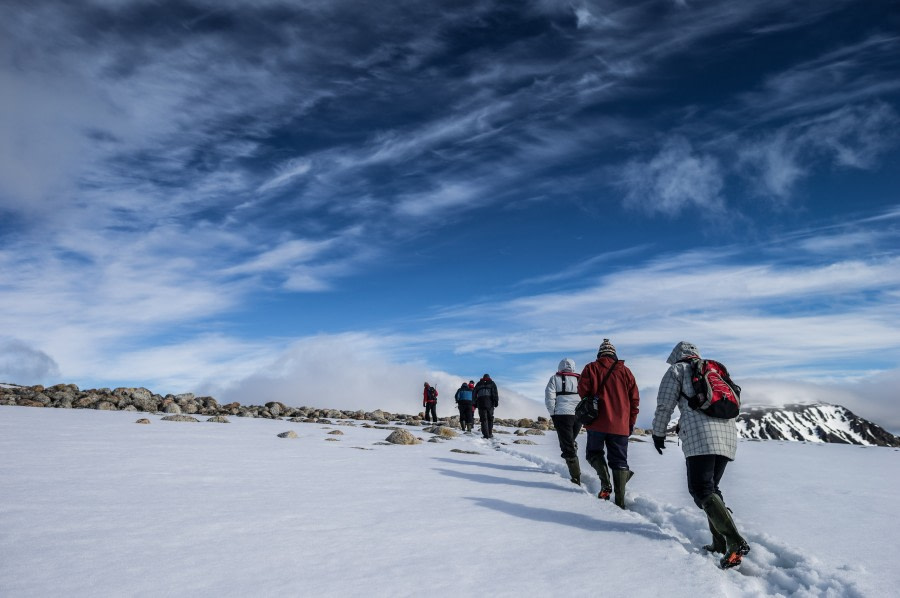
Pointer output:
69, 396
819, 422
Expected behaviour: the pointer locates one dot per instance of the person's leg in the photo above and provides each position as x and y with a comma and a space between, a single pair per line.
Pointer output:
565, 428
483, 416
595, 456
490, 412
617, 449
564, 425
718, 472
704, 473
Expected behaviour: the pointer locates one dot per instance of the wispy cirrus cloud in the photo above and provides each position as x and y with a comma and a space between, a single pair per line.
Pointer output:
850, 137
675, 179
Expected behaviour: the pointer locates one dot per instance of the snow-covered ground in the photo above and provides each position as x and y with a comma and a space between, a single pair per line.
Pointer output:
92, 504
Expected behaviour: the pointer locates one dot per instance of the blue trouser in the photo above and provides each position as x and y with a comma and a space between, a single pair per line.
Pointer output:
704, 472
616, 446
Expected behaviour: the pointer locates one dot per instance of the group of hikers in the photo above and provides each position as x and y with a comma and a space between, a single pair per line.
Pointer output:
709, 442
482, 396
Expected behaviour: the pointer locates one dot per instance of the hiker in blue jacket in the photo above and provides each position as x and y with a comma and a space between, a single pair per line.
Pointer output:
464, 404
561, 397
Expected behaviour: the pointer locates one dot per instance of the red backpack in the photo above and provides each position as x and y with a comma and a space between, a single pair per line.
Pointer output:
715, 393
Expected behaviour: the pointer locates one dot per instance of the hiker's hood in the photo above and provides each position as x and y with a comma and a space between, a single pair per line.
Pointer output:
683, 350
566, 365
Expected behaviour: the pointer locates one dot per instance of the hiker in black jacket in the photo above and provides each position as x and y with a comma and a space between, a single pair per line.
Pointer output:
486, 399
429, 402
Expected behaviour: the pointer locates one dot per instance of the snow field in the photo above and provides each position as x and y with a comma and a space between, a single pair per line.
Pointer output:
93, 504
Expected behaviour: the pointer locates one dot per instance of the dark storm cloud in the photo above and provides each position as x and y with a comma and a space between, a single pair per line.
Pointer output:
22, 364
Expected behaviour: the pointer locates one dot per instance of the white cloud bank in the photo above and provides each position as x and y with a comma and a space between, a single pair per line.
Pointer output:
354, 371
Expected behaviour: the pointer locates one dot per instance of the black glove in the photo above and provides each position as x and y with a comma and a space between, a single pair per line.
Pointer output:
659, 443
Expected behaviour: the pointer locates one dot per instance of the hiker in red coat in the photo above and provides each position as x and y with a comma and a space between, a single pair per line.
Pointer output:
429, 401
613, 384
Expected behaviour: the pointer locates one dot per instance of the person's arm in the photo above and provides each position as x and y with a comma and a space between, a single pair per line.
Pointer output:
666, 401
550, 395
635, 399
586, 383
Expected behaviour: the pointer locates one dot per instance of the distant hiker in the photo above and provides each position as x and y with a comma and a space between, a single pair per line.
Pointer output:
709, 443
429, 401
486, 399
618, 400
464, 404
561, 397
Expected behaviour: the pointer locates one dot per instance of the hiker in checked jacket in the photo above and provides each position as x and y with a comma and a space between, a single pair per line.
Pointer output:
708, 444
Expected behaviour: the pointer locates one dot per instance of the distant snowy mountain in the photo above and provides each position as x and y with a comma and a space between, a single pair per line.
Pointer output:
819, 422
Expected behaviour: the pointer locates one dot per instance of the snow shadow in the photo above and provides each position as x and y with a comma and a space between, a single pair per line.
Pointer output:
492, 465
490, 479
571, 519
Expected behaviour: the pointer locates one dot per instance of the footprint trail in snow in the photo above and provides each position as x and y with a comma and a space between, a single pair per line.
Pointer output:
772, 568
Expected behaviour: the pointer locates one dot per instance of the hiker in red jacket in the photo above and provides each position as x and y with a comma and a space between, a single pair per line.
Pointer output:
429, 401
613, 384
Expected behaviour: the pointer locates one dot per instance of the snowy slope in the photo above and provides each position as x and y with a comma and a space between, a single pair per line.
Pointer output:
818, 422
93, 504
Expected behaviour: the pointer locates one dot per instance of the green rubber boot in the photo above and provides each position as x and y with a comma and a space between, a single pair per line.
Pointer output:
598, 462
574, 470
620, 480
735, 545
718, 542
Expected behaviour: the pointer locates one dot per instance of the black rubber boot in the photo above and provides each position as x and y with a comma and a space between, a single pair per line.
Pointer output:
574, 470
598, 462
720, 518
620, 480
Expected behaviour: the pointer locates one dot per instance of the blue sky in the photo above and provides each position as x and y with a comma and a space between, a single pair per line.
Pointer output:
327, 202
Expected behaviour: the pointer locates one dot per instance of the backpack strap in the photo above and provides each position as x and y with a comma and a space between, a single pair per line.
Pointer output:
562, 384
608, 372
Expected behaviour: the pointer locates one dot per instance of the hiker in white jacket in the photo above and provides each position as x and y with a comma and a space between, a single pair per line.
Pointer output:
561, 397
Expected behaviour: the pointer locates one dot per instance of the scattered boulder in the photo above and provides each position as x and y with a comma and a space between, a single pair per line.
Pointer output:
172, 407
336, 433
402, 437
288, 434
464, 452
219, 419
523, 441
534, 432
143, 420
333, 439
445, 432
180, 418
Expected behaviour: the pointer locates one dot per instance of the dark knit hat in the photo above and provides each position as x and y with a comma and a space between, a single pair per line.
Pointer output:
606, 349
